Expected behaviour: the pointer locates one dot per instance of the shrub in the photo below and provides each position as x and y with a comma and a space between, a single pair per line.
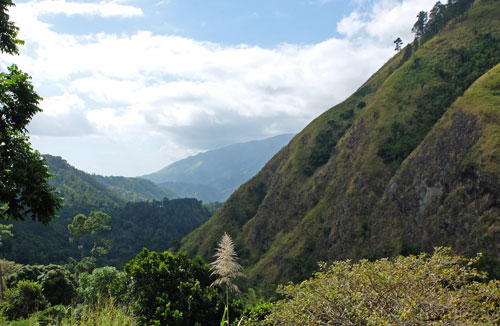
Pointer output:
167, 289
100, 284
58, 288
321, 152
417, 290
23, 300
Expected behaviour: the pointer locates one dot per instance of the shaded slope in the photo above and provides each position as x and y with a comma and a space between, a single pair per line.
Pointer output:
323, 196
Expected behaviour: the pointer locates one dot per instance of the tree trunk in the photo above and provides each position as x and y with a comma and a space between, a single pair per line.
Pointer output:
1, 283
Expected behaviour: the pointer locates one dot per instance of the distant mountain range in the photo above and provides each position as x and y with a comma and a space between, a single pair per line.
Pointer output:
214, 175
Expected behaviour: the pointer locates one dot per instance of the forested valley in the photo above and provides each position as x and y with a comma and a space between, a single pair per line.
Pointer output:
384, 210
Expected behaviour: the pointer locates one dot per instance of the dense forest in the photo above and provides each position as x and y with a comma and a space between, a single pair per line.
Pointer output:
383, 211
154, 224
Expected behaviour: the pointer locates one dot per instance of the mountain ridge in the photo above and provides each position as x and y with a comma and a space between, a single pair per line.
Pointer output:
321, 196
219, 171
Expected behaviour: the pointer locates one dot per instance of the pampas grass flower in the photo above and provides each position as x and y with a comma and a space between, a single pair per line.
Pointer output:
226, 268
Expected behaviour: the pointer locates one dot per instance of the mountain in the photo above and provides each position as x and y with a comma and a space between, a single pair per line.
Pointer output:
410, 161
135, 189
156, 224
214, 175
205, 193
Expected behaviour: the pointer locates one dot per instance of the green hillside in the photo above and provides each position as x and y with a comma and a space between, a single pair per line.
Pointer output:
135, 189
153, 224
384, 172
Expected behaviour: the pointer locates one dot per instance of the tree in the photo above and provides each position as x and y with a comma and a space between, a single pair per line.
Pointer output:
6, 269
93, 225
436, 20
99, 285
24, 187
57, 285
174, 290
23, 300
226, 268
419, 26
4, 231
398, 42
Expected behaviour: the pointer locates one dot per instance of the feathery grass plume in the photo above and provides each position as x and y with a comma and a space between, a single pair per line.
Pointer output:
226, 268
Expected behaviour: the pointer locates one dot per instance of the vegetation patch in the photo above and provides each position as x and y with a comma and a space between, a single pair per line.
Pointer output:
441, 289
449, 79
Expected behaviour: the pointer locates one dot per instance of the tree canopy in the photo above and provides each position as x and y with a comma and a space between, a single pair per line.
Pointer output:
167, 289
96, 223
24, 187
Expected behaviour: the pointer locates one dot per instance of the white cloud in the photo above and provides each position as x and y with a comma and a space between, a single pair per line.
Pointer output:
142, 88
384, 19
63, 115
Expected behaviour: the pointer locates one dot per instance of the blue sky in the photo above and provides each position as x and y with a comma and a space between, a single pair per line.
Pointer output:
131, 86
263, 23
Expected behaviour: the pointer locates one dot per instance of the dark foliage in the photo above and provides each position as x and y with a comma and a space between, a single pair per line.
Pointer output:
174, 290
321, 152
398, 146
151, 225
57, 286
23, 300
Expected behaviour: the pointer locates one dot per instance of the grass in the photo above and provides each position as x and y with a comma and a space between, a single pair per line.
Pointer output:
104, 313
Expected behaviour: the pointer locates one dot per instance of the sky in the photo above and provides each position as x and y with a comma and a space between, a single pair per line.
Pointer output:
131, 86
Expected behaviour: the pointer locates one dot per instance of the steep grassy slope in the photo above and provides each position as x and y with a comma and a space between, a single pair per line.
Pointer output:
334, 192
460, 200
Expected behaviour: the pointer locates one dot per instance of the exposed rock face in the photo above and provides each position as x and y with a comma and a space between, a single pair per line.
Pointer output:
443, 198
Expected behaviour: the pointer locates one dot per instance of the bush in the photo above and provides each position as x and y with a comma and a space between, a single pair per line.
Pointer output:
167, 289
415, 290
399, 145
57, 286
23, 300
100, 284
321, 152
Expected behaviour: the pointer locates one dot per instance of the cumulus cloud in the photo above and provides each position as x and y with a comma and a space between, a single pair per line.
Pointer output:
63, 115
383, 20
189, 94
